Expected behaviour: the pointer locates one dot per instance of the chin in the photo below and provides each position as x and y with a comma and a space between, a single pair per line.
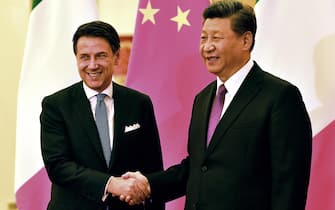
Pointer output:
94, 86
213, 71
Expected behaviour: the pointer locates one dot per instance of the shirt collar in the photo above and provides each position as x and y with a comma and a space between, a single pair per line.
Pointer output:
91, 93
235, 81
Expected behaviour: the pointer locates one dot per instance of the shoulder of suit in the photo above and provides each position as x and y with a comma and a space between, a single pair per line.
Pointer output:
69, 90
208, 88
271, 79
273, 83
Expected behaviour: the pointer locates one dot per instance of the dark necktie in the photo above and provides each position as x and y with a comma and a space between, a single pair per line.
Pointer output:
102, 125
216, 112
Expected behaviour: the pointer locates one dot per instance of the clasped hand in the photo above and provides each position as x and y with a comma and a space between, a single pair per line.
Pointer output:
132, 187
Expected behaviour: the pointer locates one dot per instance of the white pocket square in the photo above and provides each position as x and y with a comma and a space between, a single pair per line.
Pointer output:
131, 127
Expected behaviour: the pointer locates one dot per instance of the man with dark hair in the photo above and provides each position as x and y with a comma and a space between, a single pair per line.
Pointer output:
96, 130
256, 154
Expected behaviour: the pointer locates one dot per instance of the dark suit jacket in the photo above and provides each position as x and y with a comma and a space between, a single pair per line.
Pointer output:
259, 156
73, 155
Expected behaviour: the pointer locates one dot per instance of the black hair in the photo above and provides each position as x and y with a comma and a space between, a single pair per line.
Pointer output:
97, 29
242, 16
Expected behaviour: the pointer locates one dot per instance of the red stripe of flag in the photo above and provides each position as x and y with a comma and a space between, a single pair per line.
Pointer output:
322, 186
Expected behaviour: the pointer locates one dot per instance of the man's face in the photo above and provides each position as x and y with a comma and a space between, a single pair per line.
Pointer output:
95, 62
221, 48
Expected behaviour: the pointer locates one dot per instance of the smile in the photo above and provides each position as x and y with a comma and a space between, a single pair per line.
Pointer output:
212, 58
94, 74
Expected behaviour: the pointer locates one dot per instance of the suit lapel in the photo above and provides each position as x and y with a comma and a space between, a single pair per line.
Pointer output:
83, 112
246, 93
205, 107
119, 112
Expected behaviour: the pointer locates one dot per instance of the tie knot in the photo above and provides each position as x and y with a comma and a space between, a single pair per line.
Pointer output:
222, 90
100, 97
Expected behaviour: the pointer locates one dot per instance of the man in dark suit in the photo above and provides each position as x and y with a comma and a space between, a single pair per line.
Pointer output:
259, 155
82, 176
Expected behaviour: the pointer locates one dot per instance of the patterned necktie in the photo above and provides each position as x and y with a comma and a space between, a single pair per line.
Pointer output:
102, 125
216, 112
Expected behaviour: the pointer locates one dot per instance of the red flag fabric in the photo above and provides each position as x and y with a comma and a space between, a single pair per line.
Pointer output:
165, 64
322, 186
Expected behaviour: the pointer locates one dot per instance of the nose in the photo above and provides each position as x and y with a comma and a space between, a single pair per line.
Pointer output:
208, 46
92, 64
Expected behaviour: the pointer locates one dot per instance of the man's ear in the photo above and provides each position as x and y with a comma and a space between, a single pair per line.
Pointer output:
117, 60
247, 40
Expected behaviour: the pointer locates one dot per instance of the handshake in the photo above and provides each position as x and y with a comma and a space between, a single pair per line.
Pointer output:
131, 187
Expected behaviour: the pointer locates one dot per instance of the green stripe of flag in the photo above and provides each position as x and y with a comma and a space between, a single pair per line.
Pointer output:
35, 3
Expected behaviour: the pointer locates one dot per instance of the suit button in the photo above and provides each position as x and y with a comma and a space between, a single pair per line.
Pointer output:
204, 168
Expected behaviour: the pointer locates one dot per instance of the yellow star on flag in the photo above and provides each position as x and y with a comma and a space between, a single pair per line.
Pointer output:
181, 18
148, 13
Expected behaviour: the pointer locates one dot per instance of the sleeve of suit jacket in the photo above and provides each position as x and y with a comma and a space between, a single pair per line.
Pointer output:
282, 123
58, 154
290, 150
171, 183
71, 147
151, 156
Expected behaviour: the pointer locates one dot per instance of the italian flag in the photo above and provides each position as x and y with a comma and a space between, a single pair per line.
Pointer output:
48, 65
296, 41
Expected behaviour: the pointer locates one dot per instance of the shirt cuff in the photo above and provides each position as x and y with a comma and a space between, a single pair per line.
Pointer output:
105, 195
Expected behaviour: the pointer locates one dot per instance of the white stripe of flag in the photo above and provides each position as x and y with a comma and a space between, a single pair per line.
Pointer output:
48, 65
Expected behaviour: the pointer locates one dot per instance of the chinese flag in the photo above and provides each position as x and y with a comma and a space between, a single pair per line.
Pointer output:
165, 63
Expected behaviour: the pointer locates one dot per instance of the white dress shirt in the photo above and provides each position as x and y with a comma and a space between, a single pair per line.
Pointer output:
233, 84
91, 95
